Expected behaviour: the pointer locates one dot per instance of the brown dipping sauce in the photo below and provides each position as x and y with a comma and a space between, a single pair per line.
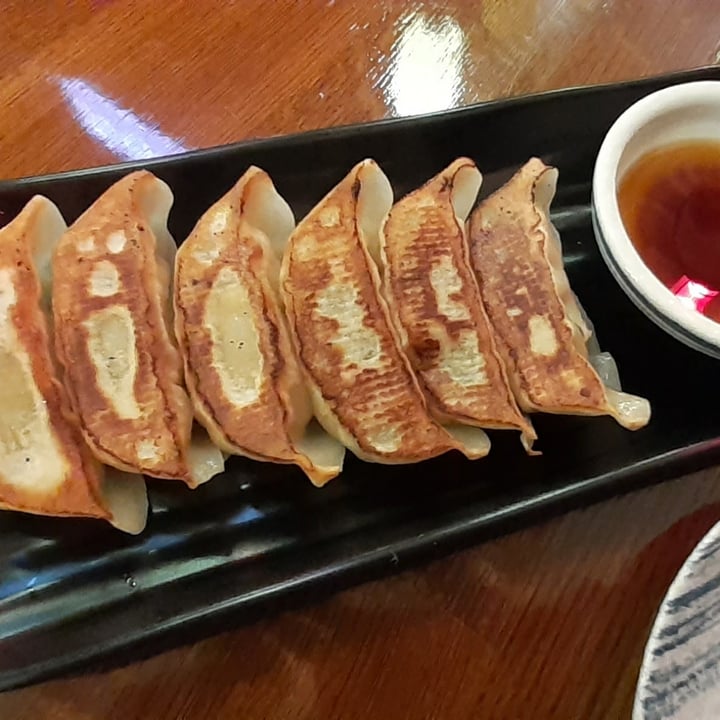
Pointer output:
670, 205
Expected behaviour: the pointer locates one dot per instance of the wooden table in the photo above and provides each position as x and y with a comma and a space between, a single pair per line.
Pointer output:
545, 623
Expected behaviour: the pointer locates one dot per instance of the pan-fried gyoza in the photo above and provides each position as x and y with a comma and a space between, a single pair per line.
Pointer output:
541, 331
240, 365
113, 335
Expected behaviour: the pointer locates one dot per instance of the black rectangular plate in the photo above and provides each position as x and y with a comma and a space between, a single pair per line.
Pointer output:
73, 591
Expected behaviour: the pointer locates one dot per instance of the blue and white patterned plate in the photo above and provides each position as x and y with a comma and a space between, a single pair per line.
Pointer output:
680, 674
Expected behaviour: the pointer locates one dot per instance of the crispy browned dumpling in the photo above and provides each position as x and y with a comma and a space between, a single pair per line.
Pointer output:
363, 389
112, 311
516, 253
240, 365
431, 290
45, 466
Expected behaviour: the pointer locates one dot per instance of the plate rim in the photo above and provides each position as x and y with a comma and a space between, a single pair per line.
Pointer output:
674, 589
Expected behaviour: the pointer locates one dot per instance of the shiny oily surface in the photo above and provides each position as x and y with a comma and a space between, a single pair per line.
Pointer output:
670, 205
546, 623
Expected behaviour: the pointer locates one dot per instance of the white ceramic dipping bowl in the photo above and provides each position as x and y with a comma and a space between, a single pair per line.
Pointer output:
680, 113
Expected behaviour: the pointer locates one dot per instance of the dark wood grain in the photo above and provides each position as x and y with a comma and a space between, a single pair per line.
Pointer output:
545, 623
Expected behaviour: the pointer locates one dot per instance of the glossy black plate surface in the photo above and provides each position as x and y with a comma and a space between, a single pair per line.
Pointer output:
72, 591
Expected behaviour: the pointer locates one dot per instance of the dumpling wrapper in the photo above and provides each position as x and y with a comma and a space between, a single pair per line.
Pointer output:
240, 366
541, 331
112, 313
45, 466
432, 292
363, 389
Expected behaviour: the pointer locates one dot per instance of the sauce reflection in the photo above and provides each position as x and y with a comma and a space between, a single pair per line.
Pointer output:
693, 294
